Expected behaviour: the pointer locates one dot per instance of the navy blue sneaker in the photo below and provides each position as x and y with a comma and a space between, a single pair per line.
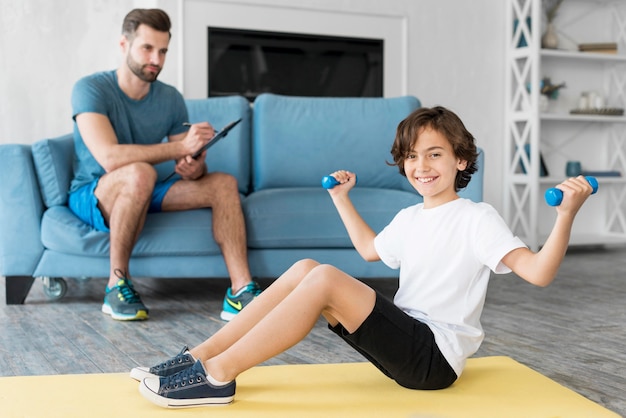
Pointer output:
233, 304
186, 389
181, 361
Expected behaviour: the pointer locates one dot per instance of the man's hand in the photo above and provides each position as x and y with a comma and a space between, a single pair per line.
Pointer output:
191, 169
199, 135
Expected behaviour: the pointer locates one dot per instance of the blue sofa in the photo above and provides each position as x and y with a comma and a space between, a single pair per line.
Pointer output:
279, 153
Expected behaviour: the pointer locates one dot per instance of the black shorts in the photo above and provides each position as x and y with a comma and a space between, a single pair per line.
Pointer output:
402, 347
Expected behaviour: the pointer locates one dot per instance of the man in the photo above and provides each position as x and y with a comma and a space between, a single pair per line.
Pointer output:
121, 117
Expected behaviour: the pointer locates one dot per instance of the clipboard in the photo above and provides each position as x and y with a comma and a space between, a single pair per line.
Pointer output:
219, 135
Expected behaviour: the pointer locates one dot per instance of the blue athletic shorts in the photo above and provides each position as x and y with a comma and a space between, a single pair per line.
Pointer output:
84, 203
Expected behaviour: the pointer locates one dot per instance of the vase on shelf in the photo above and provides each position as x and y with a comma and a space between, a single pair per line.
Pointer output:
550, 39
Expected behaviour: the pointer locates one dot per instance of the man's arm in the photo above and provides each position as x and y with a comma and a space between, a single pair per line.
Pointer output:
99, 137
540, 268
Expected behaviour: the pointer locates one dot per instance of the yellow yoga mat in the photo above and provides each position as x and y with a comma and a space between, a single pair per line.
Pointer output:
490, 387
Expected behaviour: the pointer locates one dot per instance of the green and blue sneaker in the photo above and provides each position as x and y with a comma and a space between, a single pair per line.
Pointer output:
122, 302
186, 389
233, 304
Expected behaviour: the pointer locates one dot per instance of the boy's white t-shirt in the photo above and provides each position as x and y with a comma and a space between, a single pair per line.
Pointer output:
445, 255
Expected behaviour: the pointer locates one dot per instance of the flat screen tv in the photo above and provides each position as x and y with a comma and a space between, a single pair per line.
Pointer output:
250, 62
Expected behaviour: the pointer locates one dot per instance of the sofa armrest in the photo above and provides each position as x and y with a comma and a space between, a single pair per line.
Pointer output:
21, 209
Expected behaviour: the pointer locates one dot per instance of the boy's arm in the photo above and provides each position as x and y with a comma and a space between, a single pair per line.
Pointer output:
540, 268
361, 235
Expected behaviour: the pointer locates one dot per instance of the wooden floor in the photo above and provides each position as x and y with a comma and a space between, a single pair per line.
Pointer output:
574, 331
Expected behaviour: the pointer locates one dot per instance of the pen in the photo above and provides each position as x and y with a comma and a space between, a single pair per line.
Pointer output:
189, 124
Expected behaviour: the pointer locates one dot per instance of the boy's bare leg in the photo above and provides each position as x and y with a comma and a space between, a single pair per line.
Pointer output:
254, 312
219, 192
324, 290
124, 196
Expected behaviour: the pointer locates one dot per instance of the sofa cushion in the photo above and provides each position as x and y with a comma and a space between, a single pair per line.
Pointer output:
171, 233
305, 217
298, 140
232, 154
53, 163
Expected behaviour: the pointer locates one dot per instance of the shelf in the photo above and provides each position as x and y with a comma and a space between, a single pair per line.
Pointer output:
553, 180
567, 117
601, 180
559, 131
583, 56
580, 240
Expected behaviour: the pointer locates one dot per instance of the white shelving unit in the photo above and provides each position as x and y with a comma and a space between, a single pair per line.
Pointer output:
599, 142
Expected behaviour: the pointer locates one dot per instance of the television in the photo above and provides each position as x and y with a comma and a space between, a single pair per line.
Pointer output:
251, 62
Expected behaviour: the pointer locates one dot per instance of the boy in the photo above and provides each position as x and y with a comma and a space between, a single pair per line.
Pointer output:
445, 249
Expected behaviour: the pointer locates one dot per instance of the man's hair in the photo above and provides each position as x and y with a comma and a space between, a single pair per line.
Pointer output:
446, 123
157, 19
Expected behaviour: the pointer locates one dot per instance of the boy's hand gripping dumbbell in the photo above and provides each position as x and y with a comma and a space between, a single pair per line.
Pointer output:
554, 196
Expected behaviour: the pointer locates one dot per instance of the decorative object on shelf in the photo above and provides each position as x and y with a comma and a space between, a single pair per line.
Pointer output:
573, 168
548, 92
551, 91
543, 170
590, 100
602, 173
599, 48
550, 39
606, 111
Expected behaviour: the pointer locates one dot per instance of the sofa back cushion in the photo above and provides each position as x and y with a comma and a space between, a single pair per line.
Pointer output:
54, 157
53, 164
298, 140
232, 154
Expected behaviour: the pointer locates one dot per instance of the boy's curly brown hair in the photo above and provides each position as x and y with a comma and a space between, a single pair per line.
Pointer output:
450, 126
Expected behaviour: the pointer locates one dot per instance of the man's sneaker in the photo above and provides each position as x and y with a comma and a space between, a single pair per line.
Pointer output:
122, 302
233, 304
186, 389
181, 361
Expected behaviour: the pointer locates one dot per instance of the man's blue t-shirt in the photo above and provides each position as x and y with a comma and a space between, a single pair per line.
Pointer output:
147, 121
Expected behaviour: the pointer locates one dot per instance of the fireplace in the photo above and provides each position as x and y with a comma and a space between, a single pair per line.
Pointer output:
251, 62
386, 27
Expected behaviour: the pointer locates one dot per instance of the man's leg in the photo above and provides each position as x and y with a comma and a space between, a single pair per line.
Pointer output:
123, 198
219, 192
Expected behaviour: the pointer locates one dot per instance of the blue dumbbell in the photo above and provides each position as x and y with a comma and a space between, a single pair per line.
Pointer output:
328, 182
554, 196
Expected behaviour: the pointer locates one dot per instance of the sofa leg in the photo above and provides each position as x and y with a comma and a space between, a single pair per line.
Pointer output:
17, 288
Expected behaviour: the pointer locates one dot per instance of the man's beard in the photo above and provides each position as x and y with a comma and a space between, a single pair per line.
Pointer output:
138, 70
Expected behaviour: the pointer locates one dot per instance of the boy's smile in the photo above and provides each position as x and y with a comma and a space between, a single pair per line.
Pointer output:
431, 168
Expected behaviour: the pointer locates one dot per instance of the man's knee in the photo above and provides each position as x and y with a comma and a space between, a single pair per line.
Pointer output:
223, 182
140, 174
136, 180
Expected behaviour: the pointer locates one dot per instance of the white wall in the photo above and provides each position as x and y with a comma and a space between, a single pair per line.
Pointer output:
455, 58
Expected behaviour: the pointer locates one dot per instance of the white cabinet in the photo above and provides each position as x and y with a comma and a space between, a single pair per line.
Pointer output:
555, 134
